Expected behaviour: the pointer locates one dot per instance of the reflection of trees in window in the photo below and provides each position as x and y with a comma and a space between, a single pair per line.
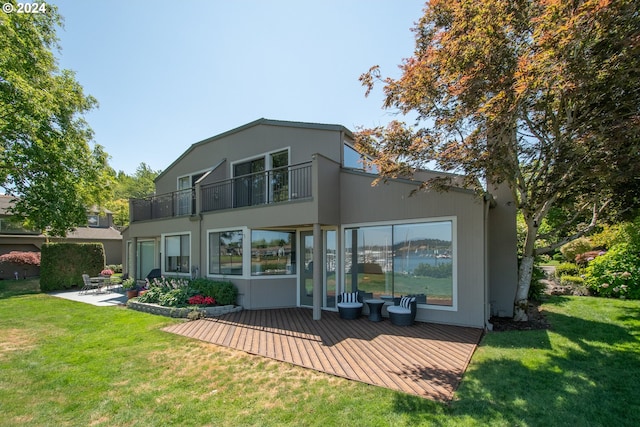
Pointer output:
225, 252
272, 252
402, 259
249, 183
280, 176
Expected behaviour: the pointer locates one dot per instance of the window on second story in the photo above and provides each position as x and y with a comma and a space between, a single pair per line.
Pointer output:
10, 226
356, 160
264, 179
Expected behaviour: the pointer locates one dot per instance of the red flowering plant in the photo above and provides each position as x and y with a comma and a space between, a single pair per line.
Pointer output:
201, 300
106, 272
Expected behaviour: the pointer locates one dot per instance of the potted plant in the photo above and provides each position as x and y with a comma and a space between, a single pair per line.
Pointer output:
131, 287
107, 272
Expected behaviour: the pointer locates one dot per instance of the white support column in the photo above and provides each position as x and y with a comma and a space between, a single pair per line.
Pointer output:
317, 271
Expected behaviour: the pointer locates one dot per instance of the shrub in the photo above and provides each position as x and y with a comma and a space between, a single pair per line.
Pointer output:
226, 293
575, 247
174, 298
21, 258
615, 274
437, 271
537, 287
607, 237
116, 268
195, 315
571, 280
152, 295
204, 287
63, 264
182, 292
565, 269
201, 300
583, 259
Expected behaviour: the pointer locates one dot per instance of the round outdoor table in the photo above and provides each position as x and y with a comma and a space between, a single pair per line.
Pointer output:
375, 309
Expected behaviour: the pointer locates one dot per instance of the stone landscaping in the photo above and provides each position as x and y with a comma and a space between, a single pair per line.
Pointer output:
182, 312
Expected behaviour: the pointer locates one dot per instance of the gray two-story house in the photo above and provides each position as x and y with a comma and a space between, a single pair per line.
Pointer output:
287, 212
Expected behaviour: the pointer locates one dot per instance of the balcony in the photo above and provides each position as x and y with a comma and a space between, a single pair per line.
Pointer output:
256, 189
168, 205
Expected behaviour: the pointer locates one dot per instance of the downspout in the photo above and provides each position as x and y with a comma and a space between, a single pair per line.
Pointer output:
487, 288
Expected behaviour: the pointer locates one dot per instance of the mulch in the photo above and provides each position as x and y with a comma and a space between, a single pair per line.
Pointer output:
537, 320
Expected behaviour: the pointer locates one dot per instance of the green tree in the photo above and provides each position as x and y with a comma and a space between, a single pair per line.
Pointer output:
45, 157
541, 96
140, 184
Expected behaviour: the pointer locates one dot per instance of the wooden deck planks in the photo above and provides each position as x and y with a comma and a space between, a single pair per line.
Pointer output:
425, 359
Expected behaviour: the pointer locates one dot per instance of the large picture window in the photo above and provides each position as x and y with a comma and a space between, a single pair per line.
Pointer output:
273, 252
402, 259
177, 250
225, 252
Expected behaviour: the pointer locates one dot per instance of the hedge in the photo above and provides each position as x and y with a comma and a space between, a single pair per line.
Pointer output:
63, 264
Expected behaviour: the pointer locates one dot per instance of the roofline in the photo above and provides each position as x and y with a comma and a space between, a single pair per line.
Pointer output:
262, 121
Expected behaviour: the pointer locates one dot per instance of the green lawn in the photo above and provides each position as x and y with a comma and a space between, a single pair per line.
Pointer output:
64, 363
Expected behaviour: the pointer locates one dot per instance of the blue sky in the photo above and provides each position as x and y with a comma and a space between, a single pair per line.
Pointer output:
168, 74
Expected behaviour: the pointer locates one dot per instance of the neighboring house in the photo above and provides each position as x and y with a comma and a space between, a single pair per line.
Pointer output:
287, 212
13, 237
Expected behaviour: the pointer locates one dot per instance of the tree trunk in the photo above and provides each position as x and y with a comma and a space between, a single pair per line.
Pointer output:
521, 303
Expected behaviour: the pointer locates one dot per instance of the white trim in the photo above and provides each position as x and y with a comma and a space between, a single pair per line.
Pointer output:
191, 174
265, 155
163, 252
454, 258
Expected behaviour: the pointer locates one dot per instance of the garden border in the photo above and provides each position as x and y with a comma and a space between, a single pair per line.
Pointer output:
181, 312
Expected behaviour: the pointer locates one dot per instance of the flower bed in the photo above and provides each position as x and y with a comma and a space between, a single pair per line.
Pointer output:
178, 297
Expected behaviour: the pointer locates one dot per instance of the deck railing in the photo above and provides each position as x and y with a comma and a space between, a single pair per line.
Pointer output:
256, 189
176, 203
259, 188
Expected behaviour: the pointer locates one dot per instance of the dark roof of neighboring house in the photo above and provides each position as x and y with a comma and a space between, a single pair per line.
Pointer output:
95, 233
267, 122
5, 202
80, 233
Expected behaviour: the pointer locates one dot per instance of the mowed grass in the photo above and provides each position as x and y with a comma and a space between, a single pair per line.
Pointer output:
65, 363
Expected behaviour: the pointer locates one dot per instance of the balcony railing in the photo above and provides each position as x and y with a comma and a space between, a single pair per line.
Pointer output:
168, 205
256, 189
260, 188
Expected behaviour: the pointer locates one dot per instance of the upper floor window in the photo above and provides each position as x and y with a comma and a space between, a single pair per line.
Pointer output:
261, 180
356, 160
8, 225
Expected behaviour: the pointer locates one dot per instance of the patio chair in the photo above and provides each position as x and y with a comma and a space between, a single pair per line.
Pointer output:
89, 285
350, 305
154, 274
403, 313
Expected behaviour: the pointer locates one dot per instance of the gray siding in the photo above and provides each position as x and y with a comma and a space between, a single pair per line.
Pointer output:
342, 197
360, 202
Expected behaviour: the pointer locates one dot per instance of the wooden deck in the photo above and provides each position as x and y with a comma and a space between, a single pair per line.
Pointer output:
425, 359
